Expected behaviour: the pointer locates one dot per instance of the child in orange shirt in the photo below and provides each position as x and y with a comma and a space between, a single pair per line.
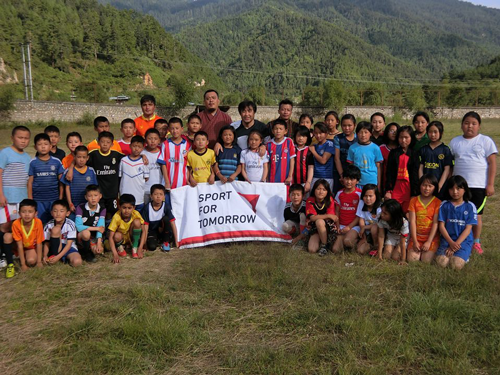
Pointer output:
73, 140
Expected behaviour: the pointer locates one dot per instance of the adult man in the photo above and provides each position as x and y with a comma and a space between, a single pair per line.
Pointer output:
247, 110
212, 118
285, 111
148, 118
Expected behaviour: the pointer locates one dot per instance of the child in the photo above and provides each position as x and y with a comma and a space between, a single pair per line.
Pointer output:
369, 213
366, 155
82, 177
106, 164
307, 121
390, 142
27, 232
149, 117
402, 169
227, 162
392, 245
378, 124
152, 152
475, 160
101, 124
436, 157
254, 168
127, 228
295, 213
44, 174
344, 141
322, 165
159, 223
456, 219
332, 123
73, 140
302, 140
420, 122
173, 156
55, 136
193, 127
320, 212
347, 201
200, 161
127, 127
133, 173
90, 222
60, 237
162, 126
14, 167
423, 217
281, 154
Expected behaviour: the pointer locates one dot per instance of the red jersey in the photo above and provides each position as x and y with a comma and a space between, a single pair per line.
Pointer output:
173, 156
348, 203
300, 171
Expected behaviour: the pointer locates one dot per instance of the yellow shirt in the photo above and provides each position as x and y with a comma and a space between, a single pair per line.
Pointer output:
122, 226
201, 165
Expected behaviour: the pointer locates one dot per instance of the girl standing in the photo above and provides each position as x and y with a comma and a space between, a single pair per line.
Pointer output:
227, 162
378, 123
302, 139
322, 166
254, 168
332, 123
344, 141
390, 142
420, 122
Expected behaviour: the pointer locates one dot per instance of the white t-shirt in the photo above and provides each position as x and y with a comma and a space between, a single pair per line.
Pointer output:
470, 158
133, 175
254, 164
155, 175
68, 232
367, 215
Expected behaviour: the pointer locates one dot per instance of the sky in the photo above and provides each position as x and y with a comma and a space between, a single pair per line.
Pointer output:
488, 3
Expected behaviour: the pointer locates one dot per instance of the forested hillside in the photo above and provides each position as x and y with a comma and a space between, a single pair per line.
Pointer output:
95, 51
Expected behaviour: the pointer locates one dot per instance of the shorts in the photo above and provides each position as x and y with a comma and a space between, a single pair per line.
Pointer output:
9, 213
110, 204
331, 230
43, 208
71, 250
356, 228
463, 253
478, 197
392, 239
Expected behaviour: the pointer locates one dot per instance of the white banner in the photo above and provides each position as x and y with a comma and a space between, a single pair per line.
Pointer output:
237, 211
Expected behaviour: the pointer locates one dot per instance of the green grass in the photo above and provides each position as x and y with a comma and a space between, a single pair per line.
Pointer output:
256, 308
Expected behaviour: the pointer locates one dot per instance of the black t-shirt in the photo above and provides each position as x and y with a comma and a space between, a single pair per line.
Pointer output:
106, 169
242, 133
292, 215
59, 154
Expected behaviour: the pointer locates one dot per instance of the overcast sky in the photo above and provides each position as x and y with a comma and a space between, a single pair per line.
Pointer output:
488, 3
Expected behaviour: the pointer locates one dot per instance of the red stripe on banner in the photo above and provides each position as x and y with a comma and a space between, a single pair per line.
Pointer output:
234, 234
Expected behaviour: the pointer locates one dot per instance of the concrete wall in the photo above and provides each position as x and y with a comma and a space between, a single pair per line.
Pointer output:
72, 111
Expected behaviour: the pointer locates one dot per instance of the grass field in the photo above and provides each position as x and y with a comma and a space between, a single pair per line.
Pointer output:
256, 308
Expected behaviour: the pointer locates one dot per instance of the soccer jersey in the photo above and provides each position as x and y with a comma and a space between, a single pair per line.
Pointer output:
342, 144
155, 175
324, 170
254, 164
67, 161
174, 157
133, 175
15, 168
455, 219
201, 164
242, 133
142, 124
125, 147
280, 156
228, 160
45, 178
348, 203
366, 157
86, 218
68, 232
403, 231
470, 158
435, 159
366, 215
94, 145
30, 239
302, 161
424, 216
122, 226
291, 214
153, 217
106, 167
59, 154
81, 179
313, 209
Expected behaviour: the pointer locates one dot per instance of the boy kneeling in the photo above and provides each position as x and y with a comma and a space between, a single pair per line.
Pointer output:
60, 237
127, 227
295, 214
159, 221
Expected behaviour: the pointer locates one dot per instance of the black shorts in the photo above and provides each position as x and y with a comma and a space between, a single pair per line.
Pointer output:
478, 197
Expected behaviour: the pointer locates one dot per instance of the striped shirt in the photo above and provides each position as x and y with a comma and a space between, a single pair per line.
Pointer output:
280, 156
174, 155
15, 167
79, 183
155, 176
45, 178
133, 175
228, 160
301, 164
68, 232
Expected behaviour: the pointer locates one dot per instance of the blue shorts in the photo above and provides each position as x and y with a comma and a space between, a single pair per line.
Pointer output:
43, 208
71, 250
463, 253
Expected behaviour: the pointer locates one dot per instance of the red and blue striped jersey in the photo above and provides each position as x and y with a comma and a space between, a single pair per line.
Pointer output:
301, 164
174, 155
280, 156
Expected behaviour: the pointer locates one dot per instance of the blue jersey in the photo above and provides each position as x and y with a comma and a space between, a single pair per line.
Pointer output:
435, 159
280, 156
79, 183
366, 157
228, 160
45, 178
15, 167
342, 144
456, 218
324, 170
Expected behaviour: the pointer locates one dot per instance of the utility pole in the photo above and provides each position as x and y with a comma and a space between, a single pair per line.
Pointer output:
29, 70
24, 73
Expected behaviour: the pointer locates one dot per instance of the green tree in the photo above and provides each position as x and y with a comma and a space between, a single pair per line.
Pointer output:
335, 95
415, 99
182, 89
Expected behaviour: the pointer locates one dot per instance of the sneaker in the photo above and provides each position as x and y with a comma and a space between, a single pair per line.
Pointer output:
478, 248
373, 253
121, 251
165, 247
11, 271
3, 264
322, 251
134, 253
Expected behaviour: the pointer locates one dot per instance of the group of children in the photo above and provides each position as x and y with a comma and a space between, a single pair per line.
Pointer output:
114, 194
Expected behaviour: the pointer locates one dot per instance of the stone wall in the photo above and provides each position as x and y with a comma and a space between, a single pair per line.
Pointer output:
73, 111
